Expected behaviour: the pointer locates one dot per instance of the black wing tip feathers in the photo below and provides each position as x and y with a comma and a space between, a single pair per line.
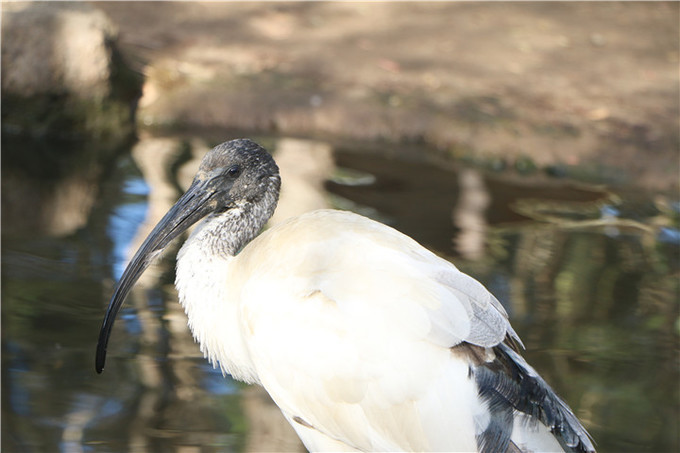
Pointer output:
509, 383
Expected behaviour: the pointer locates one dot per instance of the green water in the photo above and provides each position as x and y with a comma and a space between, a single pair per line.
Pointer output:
589, 277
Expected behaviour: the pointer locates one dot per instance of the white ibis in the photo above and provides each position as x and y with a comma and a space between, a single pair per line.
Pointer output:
364, 339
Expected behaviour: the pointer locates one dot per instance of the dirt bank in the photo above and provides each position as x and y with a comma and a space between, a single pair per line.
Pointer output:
591, 87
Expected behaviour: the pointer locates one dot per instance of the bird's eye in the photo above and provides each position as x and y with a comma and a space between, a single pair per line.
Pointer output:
233, 172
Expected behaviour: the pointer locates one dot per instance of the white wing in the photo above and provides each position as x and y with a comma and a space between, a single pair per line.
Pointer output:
347, 314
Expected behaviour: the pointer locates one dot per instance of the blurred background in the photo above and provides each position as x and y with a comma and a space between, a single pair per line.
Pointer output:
535, 145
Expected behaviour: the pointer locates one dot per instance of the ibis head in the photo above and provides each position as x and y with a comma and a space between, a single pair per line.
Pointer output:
237, 180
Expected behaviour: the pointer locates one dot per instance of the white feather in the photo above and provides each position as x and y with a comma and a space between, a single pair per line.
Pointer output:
348, 324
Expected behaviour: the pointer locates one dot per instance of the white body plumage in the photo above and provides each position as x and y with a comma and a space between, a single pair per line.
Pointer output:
365, 340
332, 310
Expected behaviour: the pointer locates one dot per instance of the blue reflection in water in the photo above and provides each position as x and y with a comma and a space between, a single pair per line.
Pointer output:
215, 383
155, 299
136, 186
124, 223
608, 211
131, 322
669, 236
122, 227
19, 397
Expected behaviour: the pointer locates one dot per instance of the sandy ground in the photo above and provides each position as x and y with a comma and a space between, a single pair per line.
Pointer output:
588, 86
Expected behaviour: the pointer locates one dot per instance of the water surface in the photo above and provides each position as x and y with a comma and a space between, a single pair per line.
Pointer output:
589, 277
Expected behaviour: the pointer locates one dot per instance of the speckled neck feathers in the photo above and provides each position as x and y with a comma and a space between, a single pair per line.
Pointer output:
226, 233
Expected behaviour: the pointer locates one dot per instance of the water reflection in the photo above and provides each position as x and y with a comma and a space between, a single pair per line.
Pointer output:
49, 187
597, 307
469, 214
590, 286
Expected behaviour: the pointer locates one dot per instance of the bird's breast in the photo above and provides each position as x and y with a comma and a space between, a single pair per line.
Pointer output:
211, 298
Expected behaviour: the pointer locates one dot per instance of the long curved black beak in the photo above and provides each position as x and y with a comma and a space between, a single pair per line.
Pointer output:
195, 204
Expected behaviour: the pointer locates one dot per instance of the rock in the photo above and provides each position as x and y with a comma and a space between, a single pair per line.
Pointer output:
56, 48
61, 74
67, 107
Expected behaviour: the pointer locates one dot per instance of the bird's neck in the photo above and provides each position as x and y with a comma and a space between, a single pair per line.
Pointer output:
225, 234
210, 298
209, 293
